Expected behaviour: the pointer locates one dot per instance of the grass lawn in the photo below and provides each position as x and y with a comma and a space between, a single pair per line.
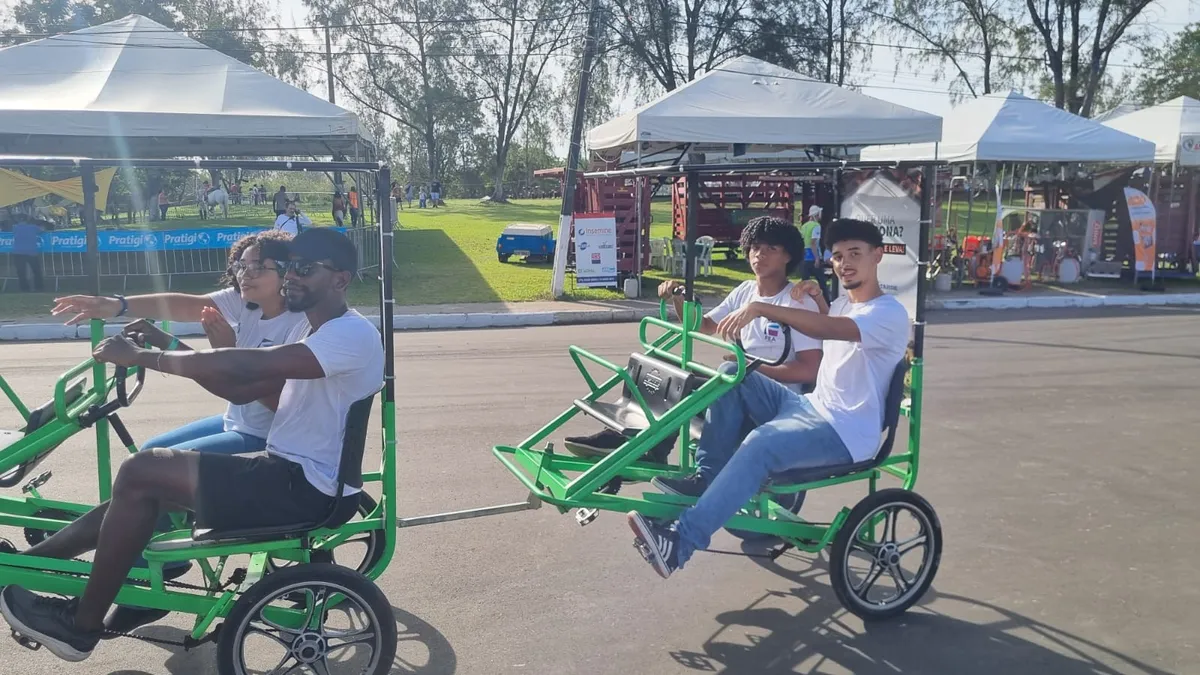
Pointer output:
442, 256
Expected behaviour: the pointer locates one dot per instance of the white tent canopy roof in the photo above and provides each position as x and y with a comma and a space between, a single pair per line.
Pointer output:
135, 88
745, 100
1173, 127
1012, 127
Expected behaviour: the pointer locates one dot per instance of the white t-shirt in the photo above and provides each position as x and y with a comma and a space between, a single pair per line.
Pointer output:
253, 331
288, 223
311, 418
853, 380
763, 338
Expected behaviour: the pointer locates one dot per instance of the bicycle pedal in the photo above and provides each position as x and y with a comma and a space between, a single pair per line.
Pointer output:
585, 516
37, 482
27, 643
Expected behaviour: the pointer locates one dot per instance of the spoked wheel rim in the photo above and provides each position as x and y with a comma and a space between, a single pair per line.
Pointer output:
892, 539
339, 626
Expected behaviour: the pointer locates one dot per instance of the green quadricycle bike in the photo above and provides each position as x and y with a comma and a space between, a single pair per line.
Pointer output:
274, 600
883, 551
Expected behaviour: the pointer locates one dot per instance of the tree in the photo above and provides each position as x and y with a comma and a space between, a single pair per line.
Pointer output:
1172, 70
510, 44
676, 41
981, 41
1078, 37
400, 68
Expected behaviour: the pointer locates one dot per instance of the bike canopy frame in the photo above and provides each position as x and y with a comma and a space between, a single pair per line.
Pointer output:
591, 484
215, 599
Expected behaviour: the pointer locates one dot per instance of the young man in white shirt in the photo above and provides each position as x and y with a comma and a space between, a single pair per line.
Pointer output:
292, 221
775, 250
865, 334
317, 380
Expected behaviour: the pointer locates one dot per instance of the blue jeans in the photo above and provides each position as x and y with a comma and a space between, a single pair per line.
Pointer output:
788, 434
204, 435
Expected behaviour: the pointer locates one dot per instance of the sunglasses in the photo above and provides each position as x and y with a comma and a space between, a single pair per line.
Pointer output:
305, 268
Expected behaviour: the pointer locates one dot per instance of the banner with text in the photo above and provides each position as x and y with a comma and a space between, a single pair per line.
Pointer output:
890, 199
119, 241
596, 249
1143, 222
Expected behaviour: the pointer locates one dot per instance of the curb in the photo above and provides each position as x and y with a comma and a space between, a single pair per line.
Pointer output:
466, 321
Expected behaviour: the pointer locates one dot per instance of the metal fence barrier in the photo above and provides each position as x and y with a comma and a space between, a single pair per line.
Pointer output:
60, 266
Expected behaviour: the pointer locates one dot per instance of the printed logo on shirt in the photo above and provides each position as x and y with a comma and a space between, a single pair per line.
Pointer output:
773, 332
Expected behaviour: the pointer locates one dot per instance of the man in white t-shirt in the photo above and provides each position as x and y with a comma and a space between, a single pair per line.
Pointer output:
340, 362
775, 250
864, 334
293, 221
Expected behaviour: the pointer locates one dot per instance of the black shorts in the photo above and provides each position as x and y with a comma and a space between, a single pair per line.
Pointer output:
238, 493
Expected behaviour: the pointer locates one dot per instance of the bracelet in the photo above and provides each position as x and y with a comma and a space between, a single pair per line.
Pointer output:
124, 305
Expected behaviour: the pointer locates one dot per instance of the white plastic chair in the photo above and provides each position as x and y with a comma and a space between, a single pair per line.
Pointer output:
658, 253
704, 253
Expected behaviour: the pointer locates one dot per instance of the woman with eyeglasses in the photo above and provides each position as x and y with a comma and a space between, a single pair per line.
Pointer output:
249, 312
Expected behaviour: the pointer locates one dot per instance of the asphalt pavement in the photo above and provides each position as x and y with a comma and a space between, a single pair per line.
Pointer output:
1058, 451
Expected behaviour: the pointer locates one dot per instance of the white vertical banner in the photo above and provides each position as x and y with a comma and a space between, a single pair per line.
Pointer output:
897, 214
596, 250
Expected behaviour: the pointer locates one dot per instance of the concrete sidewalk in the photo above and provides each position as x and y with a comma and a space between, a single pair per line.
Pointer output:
516, 314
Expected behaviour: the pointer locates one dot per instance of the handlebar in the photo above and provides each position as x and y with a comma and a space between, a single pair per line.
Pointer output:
753, 362
124, 395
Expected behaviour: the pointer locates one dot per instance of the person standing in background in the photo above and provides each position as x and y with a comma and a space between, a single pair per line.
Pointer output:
814, 257
26, 259
355, 209
281, 201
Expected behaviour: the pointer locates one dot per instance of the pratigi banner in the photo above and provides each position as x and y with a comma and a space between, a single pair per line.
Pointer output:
124, 241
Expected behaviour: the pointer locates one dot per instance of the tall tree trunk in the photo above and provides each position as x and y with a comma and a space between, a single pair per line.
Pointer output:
501, 162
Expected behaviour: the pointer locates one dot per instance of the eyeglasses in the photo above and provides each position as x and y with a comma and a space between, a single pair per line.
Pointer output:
305, 268
250, 269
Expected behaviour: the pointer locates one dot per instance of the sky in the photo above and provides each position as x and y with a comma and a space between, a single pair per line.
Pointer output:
884, 77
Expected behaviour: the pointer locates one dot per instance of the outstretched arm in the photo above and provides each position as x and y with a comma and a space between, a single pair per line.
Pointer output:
293, 361
813, 324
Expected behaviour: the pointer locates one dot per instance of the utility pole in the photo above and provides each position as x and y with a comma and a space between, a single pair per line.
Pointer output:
558, 281
337, 175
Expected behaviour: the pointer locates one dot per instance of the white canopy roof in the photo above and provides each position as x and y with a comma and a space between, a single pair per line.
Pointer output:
1173, 127
745, 100
1012, 127
134, 88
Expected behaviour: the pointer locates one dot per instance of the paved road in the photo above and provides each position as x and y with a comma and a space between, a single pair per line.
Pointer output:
1059, 453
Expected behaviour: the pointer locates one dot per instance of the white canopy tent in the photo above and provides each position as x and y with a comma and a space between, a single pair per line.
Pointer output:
134, 88
1014, 128
1173, 127
745, 101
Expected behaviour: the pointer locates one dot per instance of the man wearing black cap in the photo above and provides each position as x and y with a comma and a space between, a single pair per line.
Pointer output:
317, 379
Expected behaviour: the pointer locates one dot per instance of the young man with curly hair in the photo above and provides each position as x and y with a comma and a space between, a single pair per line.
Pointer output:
864, 335
775, 250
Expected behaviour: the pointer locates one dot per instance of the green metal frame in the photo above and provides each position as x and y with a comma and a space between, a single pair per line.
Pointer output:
571, 482
145, 586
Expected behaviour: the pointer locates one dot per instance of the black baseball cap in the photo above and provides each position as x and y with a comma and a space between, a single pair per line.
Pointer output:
324, 243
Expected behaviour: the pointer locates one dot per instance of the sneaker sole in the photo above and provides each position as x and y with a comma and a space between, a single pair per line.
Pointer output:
668, 489
638, 524
62, 650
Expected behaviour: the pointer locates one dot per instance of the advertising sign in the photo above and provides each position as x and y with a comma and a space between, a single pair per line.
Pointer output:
596, 250
121, 241
1143, 221
893, 206
1189, 150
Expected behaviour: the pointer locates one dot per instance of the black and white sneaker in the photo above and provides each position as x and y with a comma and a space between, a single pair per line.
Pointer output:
48, 621
688, 486
658, 544
606, 441
6, 546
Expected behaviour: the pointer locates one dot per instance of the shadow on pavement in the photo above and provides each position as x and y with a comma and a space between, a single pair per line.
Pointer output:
420, 650
1032, 343
805, 630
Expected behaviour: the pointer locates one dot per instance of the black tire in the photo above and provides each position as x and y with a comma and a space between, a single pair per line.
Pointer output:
792, 502
373, 540
855, 597
503, 258
314, 582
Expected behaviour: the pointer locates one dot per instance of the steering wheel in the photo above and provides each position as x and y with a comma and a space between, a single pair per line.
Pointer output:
126, 396
753, 362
